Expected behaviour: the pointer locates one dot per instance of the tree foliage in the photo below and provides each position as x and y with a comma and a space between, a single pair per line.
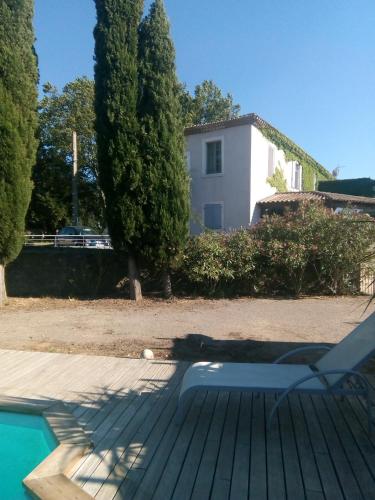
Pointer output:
117, 125
18, 103
162, 143
208, 104
59, 114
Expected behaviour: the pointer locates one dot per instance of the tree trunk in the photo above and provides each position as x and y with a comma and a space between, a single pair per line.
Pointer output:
134, 282
3, 292
167, 285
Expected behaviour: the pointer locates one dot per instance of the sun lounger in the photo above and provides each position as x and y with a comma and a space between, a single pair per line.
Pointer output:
329, 376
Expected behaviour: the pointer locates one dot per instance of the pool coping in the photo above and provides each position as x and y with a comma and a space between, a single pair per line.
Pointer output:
49, 480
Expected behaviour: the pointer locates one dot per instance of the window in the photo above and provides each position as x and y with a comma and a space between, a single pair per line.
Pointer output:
271, 161
296, 176
213, 216
214, 157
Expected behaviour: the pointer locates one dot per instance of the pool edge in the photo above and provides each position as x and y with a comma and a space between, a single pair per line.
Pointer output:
48, 481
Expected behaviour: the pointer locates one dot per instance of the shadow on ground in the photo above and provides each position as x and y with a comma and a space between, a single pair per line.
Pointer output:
223, 449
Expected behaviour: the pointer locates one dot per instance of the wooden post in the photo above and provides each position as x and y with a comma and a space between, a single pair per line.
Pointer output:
75, 217
3, 293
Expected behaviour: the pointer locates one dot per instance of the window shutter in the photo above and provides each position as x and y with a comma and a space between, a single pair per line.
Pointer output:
213, 216
271, 161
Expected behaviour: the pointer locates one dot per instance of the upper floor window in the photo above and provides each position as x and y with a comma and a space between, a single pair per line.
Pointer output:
296, 176
214, 157
271, 161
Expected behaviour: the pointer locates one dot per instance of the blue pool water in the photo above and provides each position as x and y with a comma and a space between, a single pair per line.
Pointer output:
25, 441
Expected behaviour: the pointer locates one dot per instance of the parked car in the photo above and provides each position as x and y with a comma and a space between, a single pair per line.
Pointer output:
81, 236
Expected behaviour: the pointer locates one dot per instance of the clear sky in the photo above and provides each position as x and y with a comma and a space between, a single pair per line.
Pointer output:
306, 66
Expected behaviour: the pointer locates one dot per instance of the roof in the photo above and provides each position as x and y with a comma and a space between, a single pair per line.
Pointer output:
295, 197
249, 119
259, 123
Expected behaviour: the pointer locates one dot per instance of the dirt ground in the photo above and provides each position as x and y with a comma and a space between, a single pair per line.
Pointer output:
240, 329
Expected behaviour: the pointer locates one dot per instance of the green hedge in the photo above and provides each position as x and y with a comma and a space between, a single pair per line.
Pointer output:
308, 251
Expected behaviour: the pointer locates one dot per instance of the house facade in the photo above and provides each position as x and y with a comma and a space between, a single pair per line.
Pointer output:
233, 165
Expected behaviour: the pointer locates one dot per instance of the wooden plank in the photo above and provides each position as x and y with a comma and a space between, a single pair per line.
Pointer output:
25, 369
108, 428
106, 452
179, 452
241, 465
155, 470
275, 467
121, 377
223, 474
186, 479
258, 458
310, 472
330, 483
206, 472
361, 436
340, 460
225, 452
148, 439
133, 440
293, 476
358, 464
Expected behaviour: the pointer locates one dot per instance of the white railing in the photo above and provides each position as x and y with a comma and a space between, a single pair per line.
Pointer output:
62, 240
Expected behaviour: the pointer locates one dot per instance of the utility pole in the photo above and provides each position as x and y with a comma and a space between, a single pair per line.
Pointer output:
75, 181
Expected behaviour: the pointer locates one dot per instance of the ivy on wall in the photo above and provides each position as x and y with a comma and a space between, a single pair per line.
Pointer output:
312, 171
278, 181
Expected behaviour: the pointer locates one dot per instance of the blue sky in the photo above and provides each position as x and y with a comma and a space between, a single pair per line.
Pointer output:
306, 66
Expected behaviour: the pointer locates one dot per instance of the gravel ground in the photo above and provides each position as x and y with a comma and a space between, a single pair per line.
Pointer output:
239, 329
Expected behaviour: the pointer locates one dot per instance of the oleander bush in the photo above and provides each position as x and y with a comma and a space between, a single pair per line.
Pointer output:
308, 251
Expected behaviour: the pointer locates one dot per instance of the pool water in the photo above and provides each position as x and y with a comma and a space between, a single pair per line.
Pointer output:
25, 441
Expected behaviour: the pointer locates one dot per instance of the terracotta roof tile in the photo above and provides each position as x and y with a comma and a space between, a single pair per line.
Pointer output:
291, 197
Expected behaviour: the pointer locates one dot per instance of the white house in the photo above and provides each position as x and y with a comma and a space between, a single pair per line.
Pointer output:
232, 166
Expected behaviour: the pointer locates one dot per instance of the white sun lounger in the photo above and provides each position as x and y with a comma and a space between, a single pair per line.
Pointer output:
327, 376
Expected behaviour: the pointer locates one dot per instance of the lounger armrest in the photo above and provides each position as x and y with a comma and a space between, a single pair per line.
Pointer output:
301, 349
362, 379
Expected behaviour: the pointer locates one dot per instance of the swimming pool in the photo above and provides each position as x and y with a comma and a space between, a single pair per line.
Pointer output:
25, 441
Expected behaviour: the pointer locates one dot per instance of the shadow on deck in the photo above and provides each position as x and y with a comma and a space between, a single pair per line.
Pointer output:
316, 448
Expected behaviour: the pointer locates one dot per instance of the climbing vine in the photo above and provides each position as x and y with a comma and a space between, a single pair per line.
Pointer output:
278, 181
312, 171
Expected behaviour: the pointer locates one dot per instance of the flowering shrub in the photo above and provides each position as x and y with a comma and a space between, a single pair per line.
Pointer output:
310, 250
204, 262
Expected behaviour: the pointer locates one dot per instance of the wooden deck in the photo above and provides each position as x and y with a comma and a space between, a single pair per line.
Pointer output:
317, 448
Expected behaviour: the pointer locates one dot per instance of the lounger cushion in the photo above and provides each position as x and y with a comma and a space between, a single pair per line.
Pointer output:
248, 377
351, 352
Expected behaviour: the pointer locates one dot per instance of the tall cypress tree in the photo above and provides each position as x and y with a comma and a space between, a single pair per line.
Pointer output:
18, 121
162, 144
116, 98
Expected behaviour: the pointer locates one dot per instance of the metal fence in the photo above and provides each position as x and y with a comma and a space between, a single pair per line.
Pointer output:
367, 282
62, 240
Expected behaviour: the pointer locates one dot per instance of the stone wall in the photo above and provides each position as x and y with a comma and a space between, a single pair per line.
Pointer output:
64, 272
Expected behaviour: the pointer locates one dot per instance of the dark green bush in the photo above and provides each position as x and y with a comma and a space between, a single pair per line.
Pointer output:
311, 250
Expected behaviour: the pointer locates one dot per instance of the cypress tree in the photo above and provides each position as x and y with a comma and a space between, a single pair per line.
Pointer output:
116, 98
162, 144
18, 122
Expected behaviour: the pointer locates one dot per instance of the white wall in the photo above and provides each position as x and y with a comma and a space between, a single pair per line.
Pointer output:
259, 187
232, 187
244, 179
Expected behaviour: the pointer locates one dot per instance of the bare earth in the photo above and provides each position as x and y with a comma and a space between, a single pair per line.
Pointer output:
240, 329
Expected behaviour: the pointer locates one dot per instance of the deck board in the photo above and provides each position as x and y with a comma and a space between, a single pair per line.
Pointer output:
317, 448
